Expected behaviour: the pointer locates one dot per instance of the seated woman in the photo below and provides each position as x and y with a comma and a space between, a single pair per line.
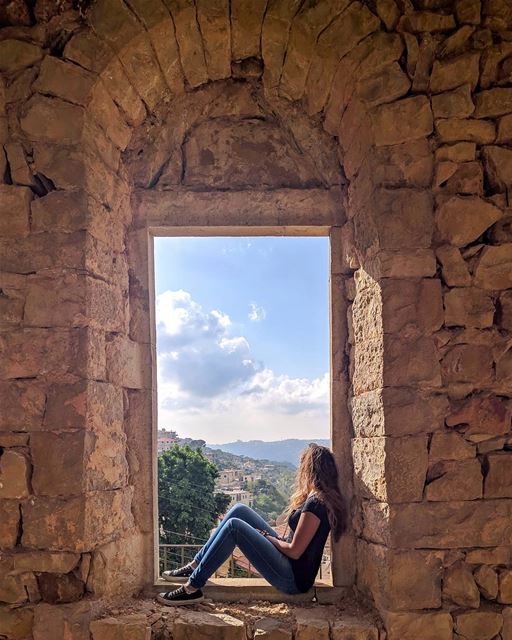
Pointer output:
291, 564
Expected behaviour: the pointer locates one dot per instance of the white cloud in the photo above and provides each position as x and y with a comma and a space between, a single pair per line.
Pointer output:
210, 385
256, 313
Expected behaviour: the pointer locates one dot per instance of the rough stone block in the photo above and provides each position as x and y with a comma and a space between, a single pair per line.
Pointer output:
464, 178
311, 625
450, 446
456, 130
452, 73
439, 525
14, 474
14, 210
419, 263
458, 152
353, 629
453, 104
505, 306
494, 268
410, 361
16, 55
67, 463
9, 523
51, 352
388, 84
76, 524
478, 625
505, 130
125, 627
462, 219
468, 363
454, 269
493, 102
498, 481
400, 580
505, 587
403, 218
412, 626
480, 415
390, 469
397, 412
401, 121
52, 120
203, 624
409, 164
23, 404
498, 166
487, 581
127, 362
468, 307
45, 562
16, 623
455, 480
64, 80
460, 587
55, 622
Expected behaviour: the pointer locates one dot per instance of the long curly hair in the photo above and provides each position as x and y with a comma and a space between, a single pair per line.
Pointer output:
318, 472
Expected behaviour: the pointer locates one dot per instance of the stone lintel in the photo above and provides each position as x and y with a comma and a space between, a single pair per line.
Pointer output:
278, 211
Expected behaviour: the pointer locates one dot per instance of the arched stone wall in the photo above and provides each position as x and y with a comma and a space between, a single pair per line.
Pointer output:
417, 95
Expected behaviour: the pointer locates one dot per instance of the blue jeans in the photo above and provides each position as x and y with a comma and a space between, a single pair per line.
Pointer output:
238, 529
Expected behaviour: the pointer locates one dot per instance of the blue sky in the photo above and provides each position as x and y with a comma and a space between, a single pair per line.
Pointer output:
242, 337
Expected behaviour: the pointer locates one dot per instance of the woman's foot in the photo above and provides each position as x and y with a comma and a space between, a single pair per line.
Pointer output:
182, 572
180, 596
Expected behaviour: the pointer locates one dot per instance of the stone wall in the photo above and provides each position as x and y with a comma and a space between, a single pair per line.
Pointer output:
171, 98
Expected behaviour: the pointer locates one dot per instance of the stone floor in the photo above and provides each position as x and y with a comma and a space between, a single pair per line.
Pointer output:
349, 619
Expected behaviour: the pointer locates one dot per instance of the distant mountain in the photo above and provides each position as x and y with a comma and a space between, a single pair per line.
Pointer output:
277, 451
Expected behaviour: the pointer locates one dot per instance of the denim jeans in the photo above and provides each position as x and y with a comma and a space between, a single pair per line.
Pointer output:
238, 529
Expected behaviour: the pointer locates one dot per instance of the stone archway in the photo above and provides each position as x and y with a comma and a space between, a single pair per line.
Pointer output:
417, 97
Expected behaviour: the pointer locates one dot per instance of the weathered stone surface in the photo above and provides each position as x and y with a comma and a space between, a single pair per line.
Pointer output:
125, 627
505, 587
420, 21
214, 21
403, 218
246, 21
200, 623
127, 362
311, 625
453, 104
468, 11
487, 581
246, 153
404, 165
419, 263
481, 414
498, 555
412, 626
454, 268
16, 623
455, 480
190, 43
453, 73
494, 268
9, 524
271, 629
60, 588
16, 55
450, 446
45, 562
505, 130
459, 586
67, 462
478, 625
465, 178
439, 525
462, 219
353, 628
498, 166
121, 90
467, 363
14, 210
22, 404
468, 307
55, 622
390, 469
14, 473
396, 412
498, 481
387, 85
493, 103
505, 305
400, 580
401, 121
52, 120
459, 152
456, 130
64, 80
78, 523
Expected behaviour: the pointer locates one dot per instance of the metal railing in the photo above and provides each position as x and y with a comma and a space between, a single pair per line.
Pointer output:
173, 556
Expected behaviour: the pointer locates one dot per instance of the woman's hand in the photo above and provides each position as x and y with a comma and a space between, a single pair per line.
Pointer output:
306, 529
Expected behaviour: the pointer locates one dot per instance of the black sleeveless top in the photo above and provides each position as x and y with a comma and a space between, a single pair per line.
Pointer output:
306, 567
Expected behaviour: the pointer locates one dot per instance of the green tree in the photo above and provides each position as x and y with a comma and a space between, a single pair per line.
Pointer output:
187, 505
268, 501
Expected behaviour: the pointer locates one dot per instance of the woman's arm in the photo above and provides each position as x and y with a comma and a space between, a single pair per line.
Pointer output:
306, 529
